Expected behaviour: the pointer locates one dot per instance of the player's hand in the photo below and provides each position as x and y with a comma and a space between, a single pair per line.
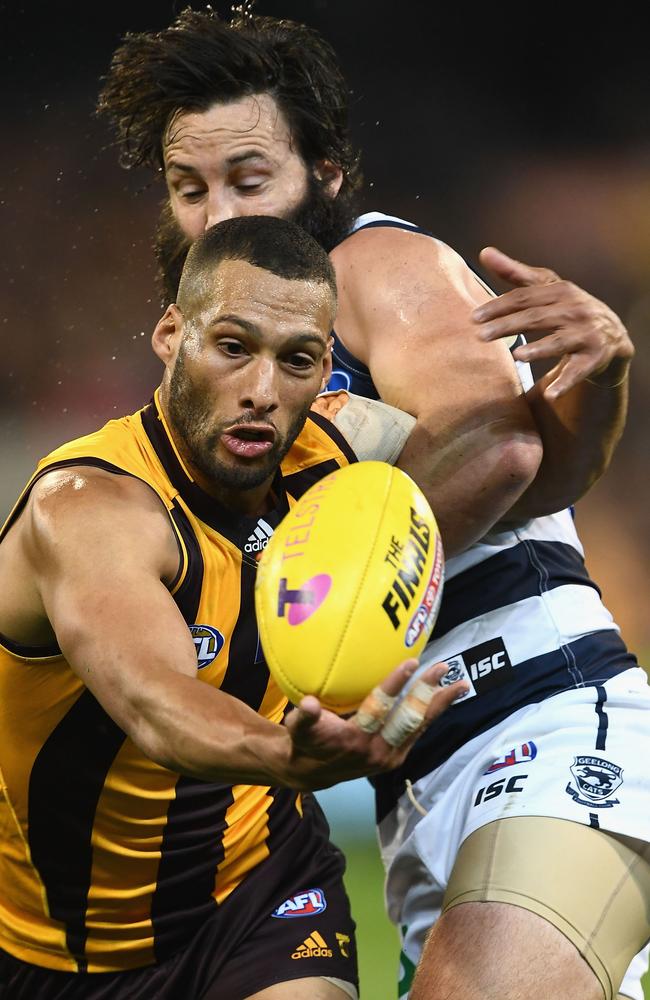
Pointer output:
585, 334
328, 748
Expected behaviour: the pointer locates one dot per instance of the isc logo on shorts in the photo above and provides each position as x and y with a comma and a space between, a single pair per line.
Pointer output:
303, 904
493, 790
208, 641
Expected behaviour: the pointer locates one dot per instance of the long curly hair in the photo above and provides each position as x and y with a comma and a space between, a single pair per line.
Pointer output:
201, 60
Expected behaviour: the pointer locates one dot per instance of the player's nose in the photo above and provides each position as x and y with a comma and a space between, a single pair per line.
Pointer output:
261, 392
219, 209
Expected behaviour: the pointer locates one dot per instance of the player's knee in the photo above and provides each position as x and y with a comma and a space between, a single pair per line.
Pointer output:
497, 949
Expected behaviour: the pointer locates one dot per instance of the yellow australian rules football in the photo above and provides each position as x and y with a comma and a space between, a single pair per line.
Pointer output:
349, 585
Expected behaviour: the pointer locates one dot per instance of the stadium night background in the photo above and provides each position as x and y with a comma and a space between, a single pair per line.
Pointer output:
534, 139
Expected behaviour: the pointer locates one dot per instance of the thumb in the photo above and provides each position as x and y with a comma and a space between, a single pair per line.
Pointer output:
514, 271
304, 717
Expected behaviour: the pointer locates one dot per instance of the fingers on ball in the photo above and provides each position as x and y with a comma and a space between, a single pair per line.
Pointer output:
373, 710
410, 714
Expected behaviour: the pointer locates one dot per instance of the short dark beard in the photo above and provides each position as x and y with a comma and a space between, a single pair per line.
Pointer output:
329, 220
170, 247
198, 438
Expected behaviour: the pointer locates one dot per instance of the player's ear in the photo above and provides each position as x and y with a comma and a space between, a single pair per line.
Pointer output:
330, 176
166, 336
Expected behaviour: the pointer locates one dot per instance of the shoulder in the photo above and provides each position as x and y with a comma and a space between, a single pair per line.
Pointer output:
91, 508
81, 486
320, 441
380, 260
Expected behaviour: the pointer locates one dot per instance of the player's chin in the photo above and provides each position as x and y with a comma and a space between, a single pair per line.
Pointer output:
239, 472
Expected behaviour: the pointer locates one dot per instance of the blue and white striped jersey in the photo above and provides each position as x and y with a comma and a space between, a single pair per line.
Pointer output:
520, 619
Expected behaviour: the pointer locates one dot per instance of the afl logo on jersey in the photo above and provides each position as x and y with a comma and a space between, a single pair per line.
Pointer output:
303, 904
208, 642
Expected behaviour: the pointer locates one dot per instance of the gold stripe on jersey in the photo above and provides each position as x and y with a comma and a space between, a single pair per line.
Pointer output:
110, 862
245, 837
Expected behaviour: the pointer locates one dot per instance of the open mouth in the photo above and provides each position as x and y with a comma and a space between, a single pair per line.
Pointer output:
249, 440
250, 432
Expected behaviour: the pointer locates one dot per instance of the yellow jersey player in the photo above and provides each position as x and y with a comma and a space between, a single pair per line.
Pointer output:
157, 835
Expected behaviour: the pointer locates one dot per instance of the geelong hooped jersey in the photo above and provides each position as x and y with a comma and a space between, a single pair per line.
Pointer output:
520, 618
108, 860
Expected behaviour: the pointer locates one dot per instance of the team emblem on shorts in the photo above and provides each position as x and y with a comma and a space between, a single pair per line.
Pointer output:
343, 941
597, 780
208, 642
303, 904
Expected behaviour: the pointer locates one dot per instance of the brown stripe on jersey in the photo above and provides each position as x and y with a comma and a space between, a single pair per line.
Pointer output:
283, 816
299, 482
247, 821
65, 783
247, 675
30, 652
188, 595
332, 431
191, 851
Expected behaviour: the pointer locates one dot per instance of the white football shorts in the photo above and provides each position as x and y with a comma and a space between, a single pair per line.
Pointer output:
580, 755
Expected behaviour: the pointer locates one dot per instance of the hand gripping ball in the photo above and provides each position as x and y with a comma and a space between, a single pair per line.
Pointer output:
350, 585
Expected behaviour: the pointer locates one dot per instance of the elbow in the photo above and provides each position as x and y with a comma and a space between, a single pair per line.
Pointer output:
519, 459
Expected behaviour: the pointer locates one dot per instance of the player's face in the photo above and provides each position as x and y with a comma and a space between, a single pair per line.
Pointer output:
242, 372
236, 159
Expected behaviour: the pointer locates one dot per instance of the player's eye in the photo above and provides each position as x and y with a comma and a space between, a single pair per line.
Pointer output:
191, 194
248, 183
302, 362
233, 348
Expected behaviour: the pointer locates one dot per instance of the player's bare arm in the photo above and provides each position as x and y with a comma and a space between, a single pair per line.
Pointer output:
100, 554
404, 309
580, 404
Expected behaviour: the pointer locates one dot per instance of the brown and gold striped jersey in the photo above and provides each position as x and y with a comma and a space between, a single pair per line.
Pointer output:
107, 859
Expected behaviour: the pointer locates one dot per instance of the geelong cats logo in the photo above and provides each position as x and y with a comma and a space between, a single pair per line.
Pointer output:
596, 780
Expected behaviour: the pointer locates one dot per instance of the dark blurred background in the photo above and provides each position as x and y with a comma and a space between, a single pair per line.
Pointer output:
532, 137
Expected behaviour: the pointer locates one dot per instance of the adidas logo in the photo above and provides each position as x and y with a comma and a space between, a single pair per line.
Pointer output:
259, 538
314, 946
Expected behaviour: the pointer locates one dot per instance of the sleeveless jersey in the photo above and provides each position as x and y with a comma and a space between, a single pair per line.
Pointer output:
520, 618
110, 861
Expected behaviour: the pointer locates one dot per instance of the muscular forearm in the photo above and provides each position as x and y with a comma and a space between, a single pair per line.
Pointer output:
580, 404
199, 731
579, 432
472, 478
182, 723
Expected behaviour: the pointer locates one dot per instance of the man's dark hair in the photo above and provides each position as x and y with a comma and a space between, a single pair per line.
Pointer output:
201, 60
274, 244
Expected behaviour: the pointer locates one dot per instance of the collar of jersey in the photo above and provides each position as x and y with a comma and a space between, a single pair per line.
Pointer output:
236, 527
